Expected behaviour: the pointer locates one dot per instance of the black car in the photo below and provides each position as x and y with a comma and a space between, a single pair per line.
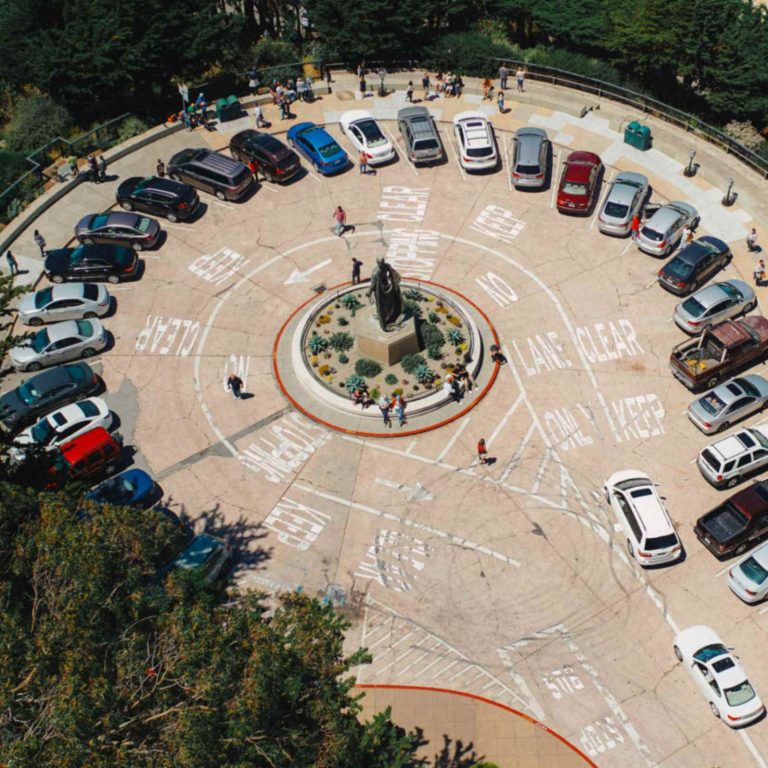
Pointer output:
92, 262
276, 161
45, 392
163, 197
119, 228
694, 265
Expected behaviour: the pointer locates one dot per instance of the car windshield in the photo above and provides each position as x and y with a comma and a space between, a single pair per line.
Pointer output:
693, 307
710, 652
28, 393
329, 150
373, 135
711, 403
479, 151
85, 327
727, 523
760, 437
88, 408
730, 291
678, 268
754, 571
570, 188
43, 298
40, 340
100, 221
616, 210
739, 694
425, 144
651, 234
286, 162
661, 542
143, 224
528, 170
42, 432
749, 388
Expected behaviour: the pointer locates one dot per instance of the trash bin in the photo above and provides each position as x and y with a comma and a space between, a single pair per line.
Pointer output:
631, 134
643, 137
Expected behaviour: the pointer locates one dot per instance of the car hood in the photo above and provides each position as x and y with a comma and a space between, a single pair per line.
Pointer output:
759, 324
22, 353
27, 303
10, 405
58, 259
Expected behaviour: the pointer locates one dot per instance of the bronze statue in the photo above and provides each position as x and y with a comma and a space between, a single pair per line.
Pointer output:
385, 287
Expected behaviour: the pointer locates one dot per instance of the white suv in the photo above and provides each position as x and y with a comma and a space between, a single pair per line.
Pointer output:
727, 462
477, 146
651, 537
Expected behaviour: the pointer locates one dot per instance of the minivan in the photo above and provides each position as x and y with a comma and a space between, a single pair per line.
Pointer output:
209, 171
422, 142
530, 158
92, 455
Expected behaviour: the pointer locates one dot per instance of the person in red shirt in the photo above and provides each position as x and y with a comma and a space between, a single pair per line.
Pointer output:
635, 226
482, 452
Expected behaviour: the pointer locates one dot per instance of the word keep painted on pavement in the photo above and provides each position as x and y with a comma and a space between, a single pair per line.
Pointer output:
217, 268
413, 253
287, 445
239, 366
600, 736
392, 560
296, 525
403, 204
561, 681
497, 288
164, 336
498, 223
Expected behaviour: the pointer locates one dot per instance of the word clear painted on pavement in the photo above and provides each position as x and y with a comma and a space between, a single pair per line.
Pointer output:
403, 204
498, 223
413, 253
600, 736
164, 336
497, 288
296, 525
392, 559
285, 448
217, 268
239, 365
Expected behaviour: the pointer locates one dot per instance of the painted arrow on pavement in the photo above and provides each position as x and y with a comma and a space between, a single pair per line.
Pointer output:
297, 276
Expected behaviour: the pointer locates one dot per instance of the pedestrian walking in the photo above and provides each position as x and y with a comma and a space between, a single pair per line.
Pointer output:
253, 81
93, 169
362, 85
500, 101
398, 405
385, 406
363, 160
102, 168
425, 85
487, 89
13, 265
235, 383
253, 167
752, 240
409, 92
759, 273
40, 240
503, 75
160, 168
497, 355
482, 452
72, 163
258, 113
635, 226
356, 266
687, 235
328, 76
520, 77
341, 220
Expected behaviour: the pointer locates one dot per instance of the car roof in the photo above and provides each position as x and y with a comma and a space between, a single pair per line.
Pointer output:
63, 329
631, 178
72, 411
58, 291
752, 500
651, 511
728, 391
730, 447
531, 132
729, 333
408, 113
476, 128
710, 295
577, 170
123, 218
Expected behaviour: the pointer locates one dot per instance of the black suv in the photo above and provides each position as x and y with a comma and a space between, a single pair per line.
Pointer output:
205, 169
92, 262
162, 197
275, 160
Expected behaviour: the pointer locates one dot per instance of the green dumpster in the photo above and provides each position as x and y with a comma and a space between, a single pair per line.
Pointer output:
643, 137
631, 134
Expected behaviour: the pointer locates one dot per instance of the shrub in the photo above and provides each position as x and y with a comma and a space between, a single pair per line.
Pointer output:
36, 120
435, 351
424, 374
455, 336
411, 308
354, 382
432, 335
317, 344
411, 362
323, 319
466, 52
130, 127
367, 367
343, 359
342, 321
433, 317
350, 302
414, 294
398, 391
374, 393
390, 379
341, 341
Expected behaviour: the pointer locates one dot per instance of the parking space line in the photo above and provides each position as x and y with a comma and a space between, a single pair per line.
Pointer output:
753, 749
268, 188
506, 163
168, 225
113, 288
597, 203
763, 610
630, 242
504, 419
456, 435
553, 182
314, 176
454, 152
397, 149
222, 205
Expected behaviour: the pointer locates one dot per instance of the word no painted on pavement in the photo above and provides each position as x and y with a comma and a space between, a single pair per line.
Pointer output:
403, 204
219, 267
413, 253
239, 366
498, 223
296, 526
497, 288
164, 336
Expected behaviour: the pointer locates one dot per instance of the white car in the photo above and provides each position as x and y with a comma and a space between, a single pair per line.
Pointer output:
366, 136
477, 145
718, 676
730, 460
58, 343
748, 579
651, 536
69, 301
63, 424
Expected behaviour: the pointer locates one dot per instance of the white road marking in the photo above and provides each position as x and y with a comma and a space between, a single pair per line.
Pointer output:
630, 243
113, 288
554, 178
404, 153
185, 227
299, 276
454, 153
268, 187
504, 419
653, 282
597, 203
763, 610
222, 204
753, 749
413, 493
506, 163
314, 176
454, 437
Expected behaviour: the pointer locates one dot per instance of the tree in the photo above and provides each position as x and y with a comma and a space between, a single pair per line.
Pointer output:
579, 25
36, 120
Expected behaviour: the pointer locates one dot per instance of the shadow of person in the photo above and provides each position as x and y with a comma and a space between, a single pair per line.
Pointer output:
246, 395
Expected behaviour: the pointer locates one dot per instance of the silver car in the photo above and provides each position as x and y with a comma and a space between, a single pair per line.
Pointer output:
530, 157
59, 343
69, 301
664, 230
727, 403
713, 304
626, 198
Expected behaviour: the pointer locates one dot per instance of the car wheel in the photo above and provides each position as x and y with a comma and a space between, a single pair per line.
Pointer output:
220, 195
90, 315
137, 246
741, 549
607, 495
35, 321
724, 426
733, 481
712, 383
695, 223
126, 206
110, 469
57, 279
678, 654
33, 367
175, 177
630, 549
88, 352
750, 306
715, 710
291, 143
172, 217
316, 167
114, 279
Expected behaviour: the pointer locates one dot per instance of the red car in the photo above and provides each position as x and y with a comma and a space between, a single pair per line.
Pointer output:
578, 184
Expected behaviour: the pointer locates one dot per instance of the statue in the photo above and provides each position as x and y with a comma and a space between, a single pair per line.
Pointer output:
385, 287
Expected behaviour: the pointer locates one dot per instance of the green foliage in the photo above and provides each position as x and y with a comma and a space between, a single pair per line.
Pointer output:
390, 379
354, 382
343, 358
424, 374
411, 362
432, 335
455, 336
317, 343
351, 303
36, 121
433, 318
269, 53
411, 308
341, 341
415, 294
435, 351
12, 165
341, 320
466, 52
367, 368
130, 127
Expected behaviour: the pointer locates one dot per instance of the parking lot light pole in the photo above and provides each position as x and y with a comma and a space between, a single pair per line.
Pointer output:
730, 197
691, 169
382, 74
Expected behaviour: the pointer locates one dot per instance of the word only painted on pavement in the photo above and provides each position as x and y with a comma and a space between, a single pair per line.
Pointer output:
393, 560
239, 365
403, 204
168, 335
498, 223
413, 253
296, 525
220, 267
600, 736
285, 448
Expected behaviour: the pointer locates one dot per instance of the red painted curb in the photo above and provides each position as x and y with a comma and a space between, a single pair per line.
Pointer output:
531, 720
361, 433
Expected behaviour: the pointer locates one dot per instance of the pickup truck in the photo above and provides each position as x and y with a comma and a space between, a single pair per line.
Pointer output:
720, 350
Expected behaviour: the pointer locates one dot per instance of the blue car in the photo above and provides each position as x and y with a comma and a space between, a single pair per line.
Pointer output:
132, 488
319, 147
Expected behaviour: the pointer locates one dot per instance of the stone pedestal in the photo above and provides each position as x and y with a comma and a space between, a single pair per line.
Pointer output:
386, 347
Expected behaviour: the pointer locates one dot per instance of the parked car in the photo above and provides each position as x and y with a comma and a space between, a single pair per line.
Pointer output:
132, 488
625, 199
748, 579
730, 460
718, 676
211, 172
737, 523
720, 350
91, 455
210, 555
319, 147
118, 228
530, 158
477, 144
363, 131
694, 265
579, 182
45, 392
276, 161
422, 141
651, 536
74, 301
62, 425
157, 195
664, 230
58, 343
114, 263
713, 304
728, 403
